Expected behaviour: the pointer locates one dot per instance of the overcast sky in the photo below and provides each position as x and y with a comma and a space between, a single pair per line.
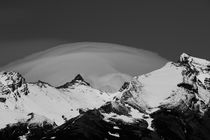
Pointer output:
166, 27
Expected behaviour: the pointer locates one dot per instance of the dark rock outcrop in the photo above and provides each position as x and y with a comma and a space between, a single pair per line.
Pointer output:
77, 80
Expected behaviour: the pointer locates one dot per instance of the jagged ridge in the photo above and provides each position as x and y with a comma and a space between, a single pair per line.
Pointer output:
56, 104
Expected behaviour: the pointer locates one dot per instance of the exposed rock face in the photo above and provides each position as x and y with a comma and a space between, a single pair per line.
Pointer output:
77, 80
132, 96
13, 84
91, 125
197, 74
195, 63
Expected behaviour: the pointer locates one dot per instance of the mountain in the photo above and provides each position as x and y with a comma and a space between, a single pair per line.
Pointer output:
45, 100
170, 103
176, 85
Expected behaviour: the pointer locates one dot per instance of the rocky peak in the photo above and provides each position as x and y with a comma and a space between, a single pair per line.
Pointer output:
77, 80
124, 86
80, 79
12, 83
131, 95
42, 84
197, 72
195, 63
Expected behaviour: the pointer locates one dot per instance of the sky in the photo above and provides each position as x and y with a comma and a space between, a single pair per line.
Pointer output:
162, 26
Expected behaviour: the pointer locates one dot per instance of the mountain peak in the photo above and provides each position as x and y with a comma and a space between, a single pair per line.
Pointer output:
78, 77
171, 86
77, 80
197, 67
12, 83
195, 63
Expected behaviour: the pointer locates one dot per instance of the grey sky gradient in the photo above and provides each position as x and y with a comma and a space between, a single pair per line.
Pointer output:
163, 26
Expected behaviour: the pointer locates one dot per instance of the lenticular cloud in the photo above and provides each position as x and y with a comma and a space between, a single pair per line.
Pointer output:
106, 66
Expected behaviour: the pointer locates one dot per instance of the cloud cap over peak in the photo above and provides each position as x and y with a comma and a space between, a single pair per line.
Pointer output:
98, 63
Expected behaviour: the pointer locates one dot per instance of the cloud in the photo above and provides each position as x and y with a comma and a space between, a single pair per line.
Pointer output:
104, 65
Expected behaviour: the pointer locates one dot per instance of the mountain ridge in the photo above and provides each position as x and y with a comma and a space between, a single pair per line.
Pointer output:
182, 86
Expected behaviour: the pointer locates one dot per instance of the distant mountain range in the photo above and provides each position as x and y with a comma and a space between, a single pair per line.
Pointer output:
171, 103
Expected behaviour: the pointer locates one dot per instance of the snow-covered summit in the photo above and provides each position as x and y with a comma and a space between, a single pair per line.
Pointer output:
199, 67
181, 85
195, 63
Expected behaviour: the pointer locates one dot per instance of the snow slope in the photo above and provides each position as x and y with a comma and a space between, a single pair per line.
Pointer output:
175, 84
56, 104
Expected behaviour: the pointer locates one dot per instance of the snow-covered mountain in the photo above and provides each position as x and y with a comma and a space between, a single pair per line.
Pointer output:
55, 103
182, 86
